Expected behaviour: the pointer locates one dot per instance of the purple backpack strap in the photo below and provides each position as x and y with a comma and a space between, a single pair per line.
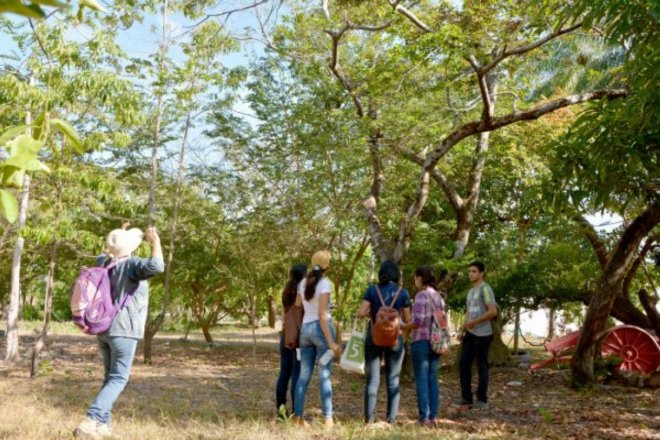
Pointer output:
110, 264
128, 295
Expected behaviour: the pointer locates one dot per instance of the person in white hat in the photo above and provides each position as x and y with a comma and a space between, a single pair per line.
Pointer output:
128, 277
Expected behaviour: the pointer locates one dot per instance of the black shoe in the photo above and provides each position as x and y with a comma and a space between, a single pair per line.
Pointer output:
462, 402
480, 405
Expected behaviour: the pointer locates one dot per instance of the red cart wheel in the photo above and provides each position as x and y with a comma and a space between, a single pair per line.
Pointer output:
639, 349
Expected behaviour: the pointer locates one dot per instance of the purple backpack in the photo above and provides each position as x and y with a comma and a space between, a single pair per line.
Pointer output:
91, 300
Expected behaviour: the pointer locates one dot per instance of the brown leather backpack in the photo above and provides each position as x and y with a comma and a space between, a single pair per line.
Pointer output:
386, 327
293, 318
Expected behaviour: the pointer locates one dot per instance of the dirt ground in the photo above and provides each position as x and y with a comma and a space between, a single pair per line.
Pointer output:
193, 391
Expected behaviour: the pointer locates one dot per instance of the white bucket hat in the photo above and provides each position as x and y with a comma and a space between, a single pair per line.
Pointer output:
122, 243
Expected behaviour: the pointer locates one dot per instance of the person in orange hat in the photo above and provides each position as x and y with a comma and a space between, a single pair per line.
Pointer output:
317, 337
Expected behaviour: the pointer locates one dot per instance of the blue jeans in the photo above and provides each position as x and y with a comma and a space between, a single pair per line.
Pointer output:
425, 366
474, 347
118, 353
289, 369
393, 362
312, 347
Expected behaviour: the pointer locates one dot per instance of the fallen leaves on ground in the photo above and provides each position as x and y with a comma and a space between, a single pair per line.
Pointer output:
227, 391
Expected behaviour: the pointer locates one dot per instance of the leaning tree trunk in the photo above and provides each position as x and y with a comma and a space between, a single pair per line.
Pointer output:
609, 286
42, 341
650, 306
48, 307
13, 354
206, 331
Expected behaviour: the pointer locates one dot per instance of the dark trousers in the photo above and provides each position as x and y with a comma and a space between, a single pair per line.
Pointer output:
474, 347
289, 369
393, 361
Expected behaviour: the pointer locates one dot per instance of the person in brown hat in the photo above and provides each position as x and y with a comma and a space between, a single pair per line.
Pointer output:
317, 337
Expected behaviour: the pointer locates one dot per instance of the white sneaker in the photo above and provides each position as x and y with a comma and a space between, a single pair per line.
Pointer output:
90, 429
104, 430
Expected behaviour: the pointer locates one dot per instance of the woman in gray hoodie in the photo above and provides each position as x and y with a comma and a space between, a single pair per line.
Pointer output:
128, 276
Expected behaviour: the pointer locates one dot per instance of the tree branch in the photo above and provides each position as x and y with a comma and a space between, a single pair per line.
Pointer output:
487, 113
648, 245
334, 68
649, 306
469, 129
506, 53
228, 13
326, 10
396, 5
592, 236
630, 240
368, 27
527, 115
381, 244
452, 195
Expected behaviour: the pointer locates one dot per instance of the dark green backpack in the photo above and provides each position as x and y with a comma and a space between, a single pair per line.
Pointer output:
496, 318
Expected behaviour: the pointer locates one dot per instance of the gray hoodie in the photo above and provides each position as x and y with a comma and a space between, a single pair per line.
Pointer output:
129, 273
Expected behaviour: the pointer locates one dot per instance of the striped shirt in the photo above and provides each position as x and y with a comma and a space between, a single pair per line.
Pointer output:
422, 313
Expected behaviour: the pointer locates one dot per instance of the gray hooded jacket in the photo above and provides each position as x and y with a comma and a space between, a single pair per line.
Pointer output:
129, 273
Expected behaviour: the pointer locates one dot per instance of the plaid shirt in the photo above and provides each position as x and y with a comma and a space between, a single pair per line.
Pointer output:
422, 314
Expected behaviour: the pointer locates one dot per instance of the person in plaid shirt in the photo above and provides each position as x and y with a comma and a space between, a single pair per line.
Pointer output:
425, 360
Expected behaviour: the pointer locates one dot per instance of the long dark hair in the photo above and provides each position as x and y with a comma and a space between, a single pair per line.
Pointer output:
296, 274
389, 271
313, 278
428, 276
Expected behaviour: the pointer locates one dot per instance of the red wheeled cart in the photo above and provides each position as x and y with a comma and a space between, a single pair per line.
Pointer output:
639, 349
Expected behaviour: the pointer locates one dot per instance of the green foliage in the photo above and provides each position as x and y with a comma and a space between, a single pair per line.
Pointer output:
588, 160
259, 196
35, 8
32, 10
546, 414
22, 150
8, 206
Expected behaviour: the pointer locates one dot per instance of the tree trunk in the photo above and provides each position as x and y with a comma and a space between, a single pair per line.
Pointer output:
609, 286
650, 305
498, 354
50, 282
625, 311
48, 306
206, 330
153, 327
272, 311
253, 322
462, 232
189, 326
151, 204
13, 354
339, 328
516, 332
148, 340
551, 324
